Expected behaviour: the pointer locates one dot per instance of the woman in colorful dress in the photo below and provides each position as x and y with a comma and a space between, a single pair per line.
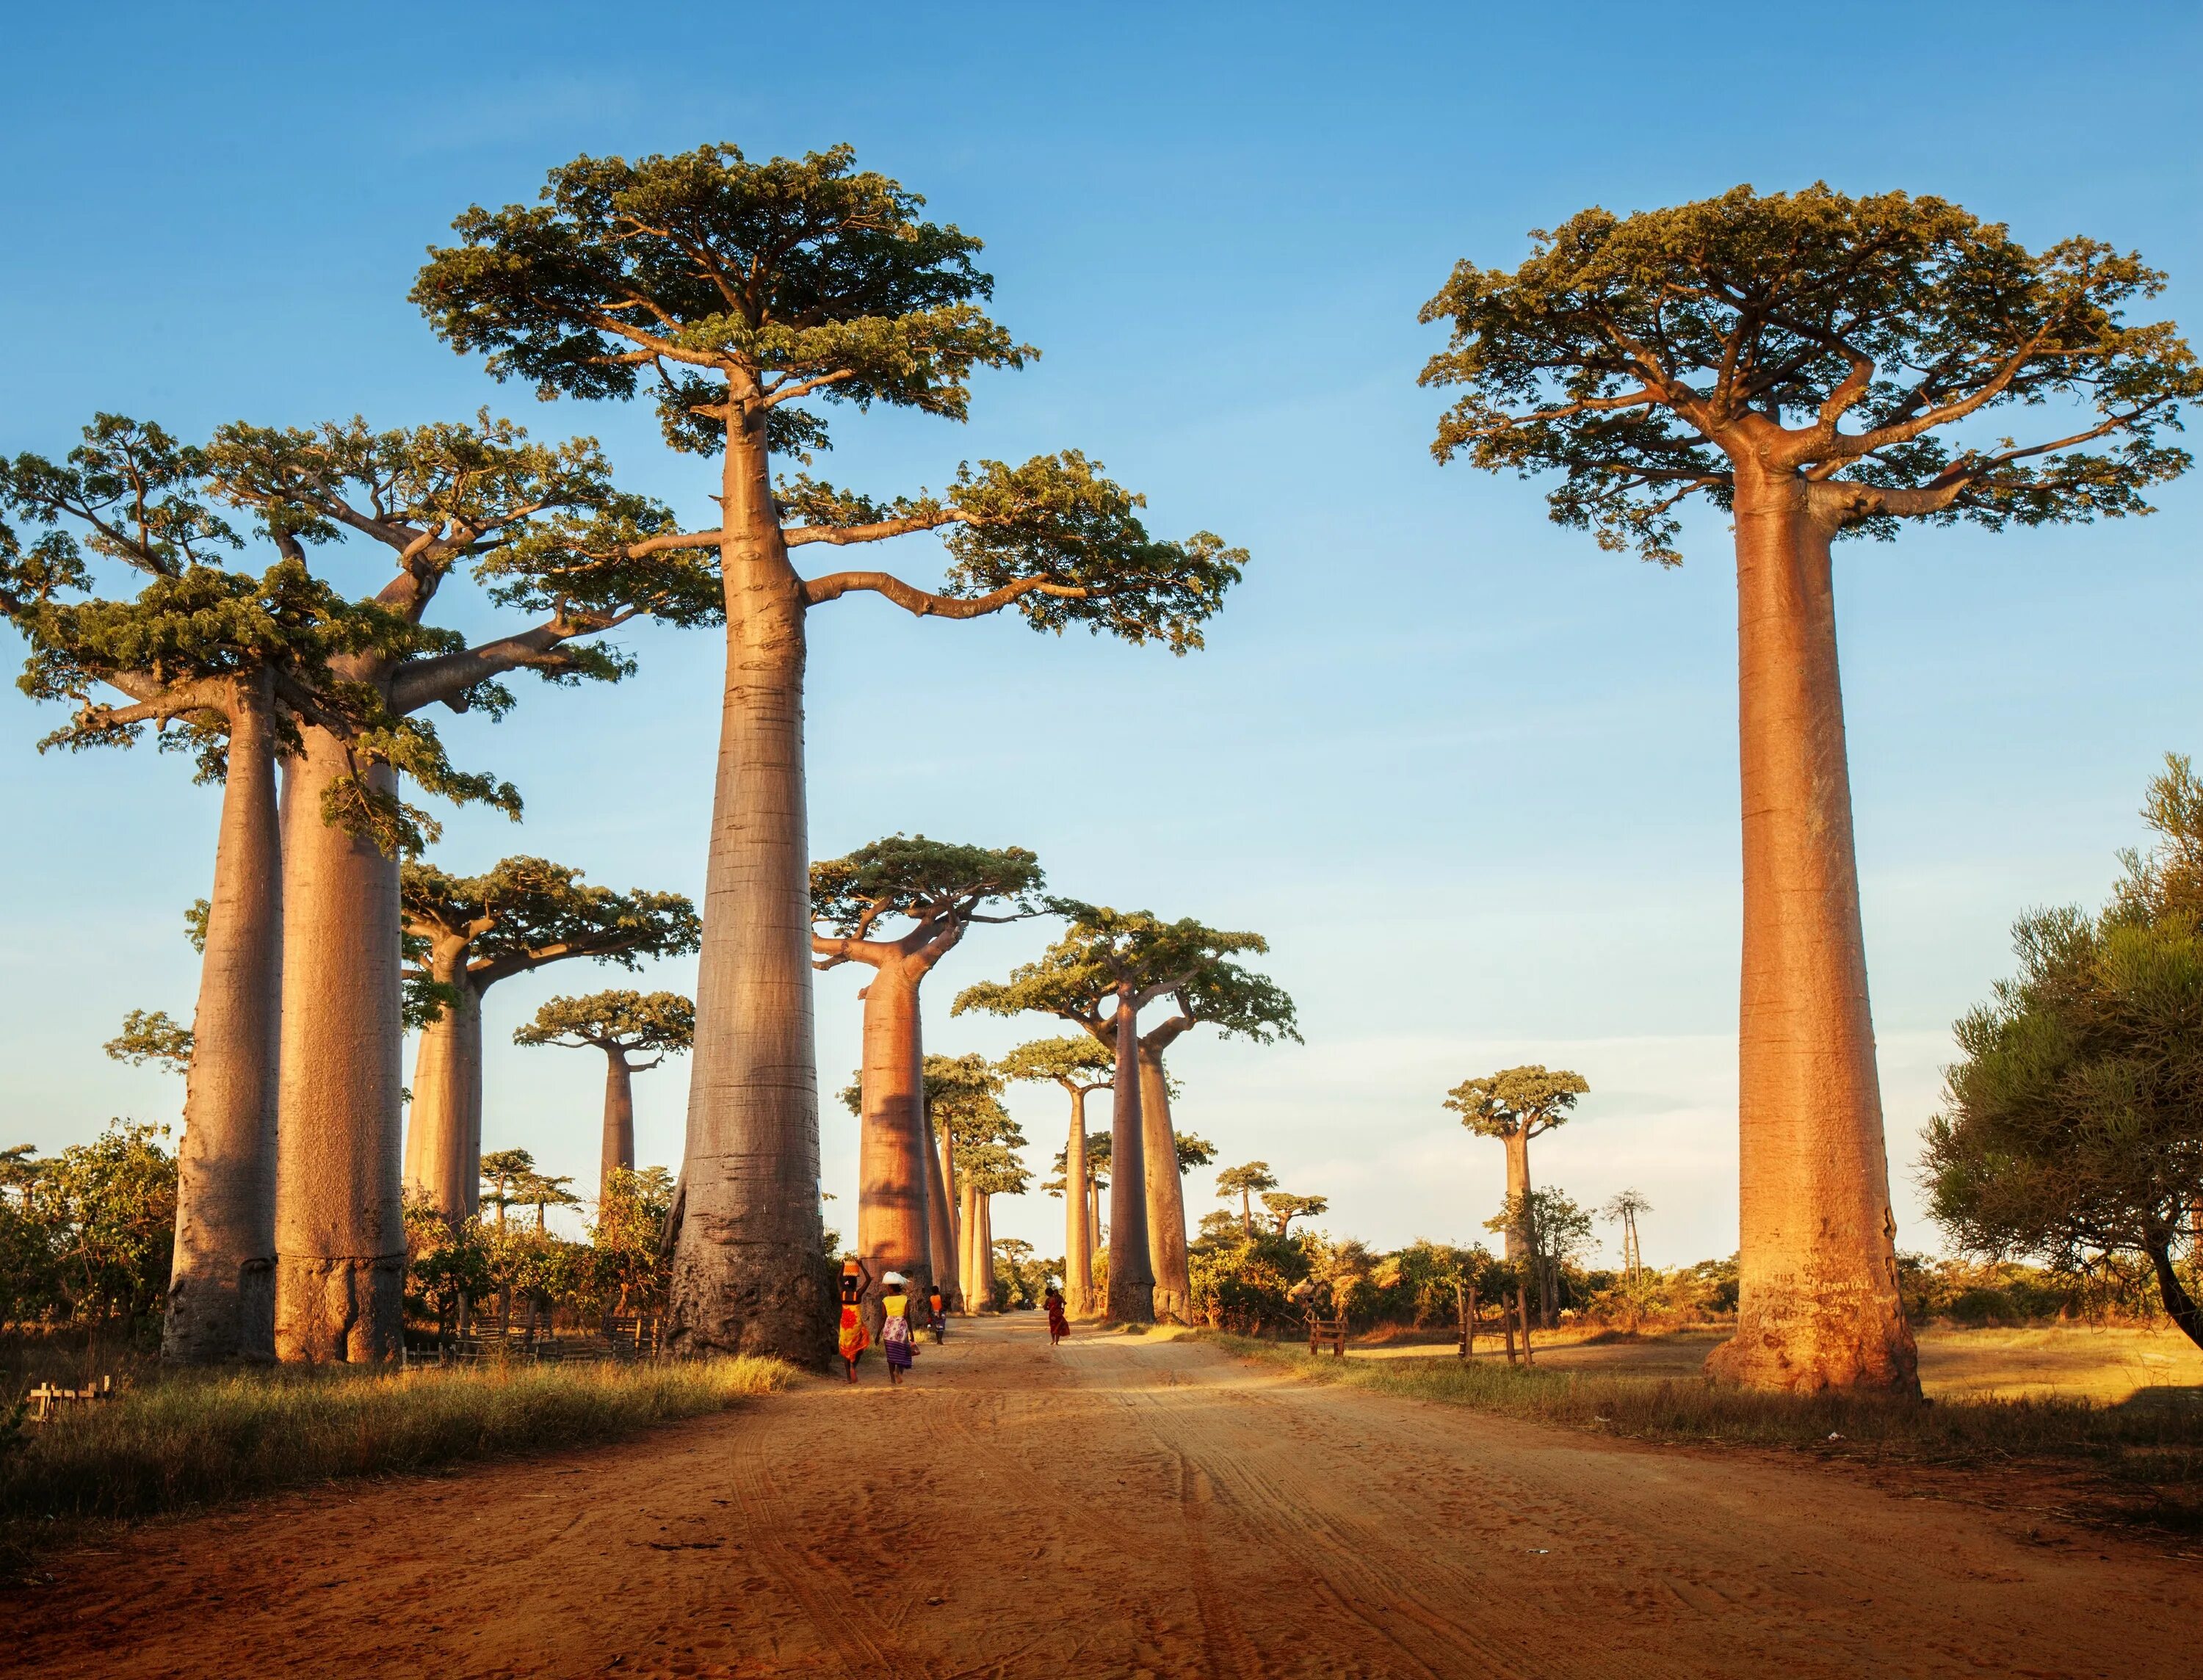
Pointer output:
897, 1340
1059, 1326
853, 1338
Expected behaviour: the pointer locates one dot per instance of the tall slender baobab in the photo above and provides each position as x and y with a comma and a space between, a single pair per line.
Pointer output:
1080, 1065
545, 526
1800, 360
1245, 1183
742, 292
1514, 1106
1134, 959
226, 664
898, 906
964, 1106
623, 1025
474, 931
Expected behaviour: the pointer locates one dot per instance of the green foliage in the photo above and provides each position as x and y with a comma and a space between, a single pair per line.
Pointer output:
632, 1268
937, 886
662, 1023
1638, 356
89, 1235
1527, 1100
1077, 1062
2072, 1128
1558, 1231
151, 1035
1285, 1207
1106, 953
528, 912
1021, 1277
1193, 1151
963, 1098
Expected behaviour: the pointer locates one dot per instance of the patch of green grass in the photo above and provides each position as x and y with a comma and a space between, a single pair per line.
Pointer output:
193, 1438
2154, 1440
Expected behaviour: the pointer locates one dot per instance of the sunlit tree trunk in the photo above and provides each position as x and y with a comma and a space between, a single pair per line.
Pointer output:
1166, 1195
221, 1287
1818, 1305
982, 1255
617, 1153
1518, 1194
892, 1232
750, 1273
966, 1267
940, 1215
952, 1199
339, 1214
1078, 1232
443, 1132
1131, 1285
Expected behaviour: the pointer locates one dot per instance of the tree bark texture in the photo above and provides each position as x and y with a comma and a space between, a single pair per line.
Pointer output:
894, 1230
967, 1272
339, 1213
221, 1287
617, 1154
443, 1133
945, 1182
750, 1273
2179, 1305
1818, 1305
1166, 1193
1078, 1231
982, 1255
1131, 1287
939, 1216
1518, 1194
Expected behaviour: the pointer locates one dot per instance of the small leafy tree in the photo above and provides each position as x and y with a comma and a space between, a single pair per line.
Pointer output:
628, 1238
1245, 1183
1285, 1207
1080, 1066
1514, 1106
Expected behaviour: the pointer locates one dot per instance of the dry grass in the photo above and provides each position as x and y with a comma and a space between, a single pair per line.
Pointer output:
192, 1439
2147, 1448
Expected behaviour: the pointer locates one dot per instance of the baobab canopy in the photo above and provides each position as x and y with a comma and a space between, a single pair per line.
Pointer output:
1633, 354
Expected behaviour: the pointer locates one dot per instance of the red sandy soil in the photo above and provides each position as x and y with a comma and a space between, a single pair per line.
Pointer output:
1113, 1507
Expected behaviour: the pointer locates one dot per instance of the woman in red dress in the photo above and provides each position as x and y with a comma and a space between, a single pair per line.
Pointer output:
1058, 1326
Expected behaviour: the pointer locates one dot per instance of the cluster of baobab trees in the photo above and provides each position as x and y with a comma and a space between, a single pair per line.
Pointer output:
936, 1143
1812, 364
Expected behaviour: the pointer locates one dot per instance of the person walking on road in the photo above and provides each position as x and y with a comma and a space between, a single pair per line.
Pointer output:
895, 1339
938, 1305
1057, 1325
853, 1338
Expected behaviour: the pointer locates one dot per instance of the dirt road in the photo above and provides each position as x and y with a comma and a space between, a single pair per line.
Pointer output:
1111, 1508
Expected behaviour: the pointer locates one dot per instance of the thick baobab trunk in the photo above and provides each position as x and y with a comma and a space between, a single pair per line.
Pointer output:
893, 1219
1166, 1193
1818, 1305
222, 1288
939, 1216
1131, 1287
983, 1255
340, 1212
967, 1263
443, 1133
1078, 1231
617, 1154
750, 1273
946, 1185
1518, 1195
1094, 1223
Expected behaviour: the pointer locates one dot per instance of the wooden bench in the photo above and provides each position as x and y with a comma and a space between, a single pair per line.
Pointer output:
1327, 1332
47, 1398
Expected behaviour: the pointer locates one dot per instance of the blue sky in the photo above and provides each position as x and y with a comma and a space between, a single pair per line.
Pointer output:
1473, 778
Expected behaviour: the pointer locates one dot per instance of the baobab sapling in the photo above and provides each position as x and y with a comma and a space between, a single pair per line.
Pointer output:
744, 294
898, 906
474, 931
1801, 361
623, 1025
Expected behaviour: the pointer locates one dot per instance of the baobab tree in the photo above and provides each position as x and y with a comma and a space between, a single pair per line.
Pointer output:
746, 294
1080, 1065
1285, 1207
1514, 1106
623, 1025
1622, 1209
544, 526
477, 930
964, 1105
991, 1168
1801, 361
227, 665
898, 906
1245, 1183
1134, 959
